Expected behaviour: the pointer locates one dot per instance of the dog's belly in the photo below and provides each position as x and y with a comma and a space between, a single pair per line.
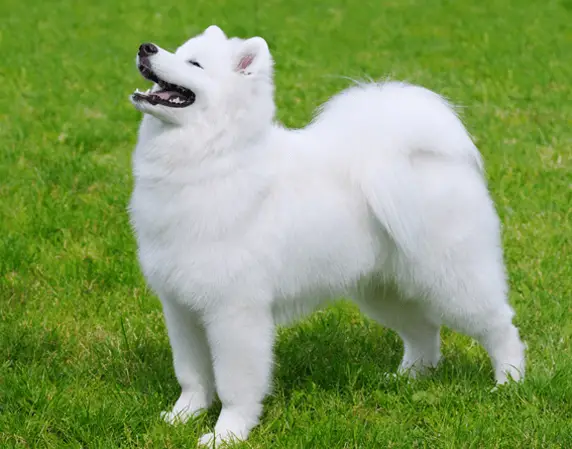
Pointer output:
330, 268
324, 258
294, 309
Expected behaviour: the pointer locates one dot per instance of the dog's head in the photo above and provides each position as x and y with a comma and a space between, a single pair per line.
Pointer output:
209, 78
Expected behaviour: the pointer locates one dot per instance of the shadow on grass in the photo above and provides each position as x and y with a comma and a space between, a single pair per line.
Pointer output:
337, 353
333, 353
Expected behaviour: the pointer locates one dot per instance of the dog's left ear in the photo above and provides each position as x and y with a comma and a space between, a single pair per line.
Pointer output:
253, 57
215, 31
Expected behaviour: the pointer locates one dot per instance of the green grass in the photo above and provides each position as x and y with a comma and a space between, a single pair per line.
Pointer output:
84, 356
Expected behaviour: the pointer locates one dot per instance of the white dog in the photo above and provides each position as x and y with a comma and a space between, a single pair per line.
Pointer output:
243, 224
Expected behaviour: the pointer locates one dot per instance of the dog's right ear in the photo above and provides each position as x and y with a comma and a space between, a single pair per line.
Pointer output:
253, 57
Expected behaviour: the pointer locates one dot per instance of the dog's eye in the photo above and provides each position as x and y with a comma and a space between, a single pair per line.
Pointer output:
195, 63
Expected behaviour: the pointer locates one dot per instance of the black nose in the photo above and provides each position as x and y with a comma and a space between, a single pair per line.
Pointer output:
147, 50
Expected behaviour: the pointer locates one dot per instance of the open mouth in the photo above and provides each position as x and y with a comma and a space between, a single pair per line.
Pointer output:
169, 94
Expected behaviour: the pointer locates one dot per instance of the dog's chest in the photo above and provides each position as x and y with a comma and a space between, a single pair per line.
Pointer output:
194, 238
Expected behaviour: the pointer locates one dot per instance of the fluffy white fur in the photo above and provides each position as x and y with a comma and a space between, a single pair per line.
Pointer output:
242, 224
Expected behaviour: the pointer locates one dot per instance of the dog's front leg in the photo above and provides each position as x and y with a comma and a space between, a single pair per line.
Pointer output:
192, 362
241, 340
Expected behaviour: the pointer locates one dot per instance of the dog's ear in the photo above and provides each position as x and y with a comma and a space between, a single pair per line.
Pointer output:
253, 57
215, 31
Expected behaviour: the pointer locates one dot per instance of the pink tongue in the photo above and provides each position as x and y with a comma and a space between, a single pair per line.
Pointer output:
165, 94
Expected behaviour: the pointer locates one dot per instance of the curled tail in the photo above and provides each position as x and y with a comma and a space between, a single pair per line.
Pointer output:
391, 193
404, 119
413, 123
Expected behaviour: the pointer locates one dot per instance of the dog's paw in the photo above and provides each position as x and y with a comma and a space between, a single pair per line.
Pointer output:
186, 407
412, 372
210, 441
414, 369
181, 416
174, 418
509, 374
233, 425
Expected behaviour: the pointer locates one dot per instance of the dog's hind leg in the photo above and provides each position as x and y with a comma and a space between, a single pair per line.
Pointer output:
488, 321
467, 289
420, 334
192, 362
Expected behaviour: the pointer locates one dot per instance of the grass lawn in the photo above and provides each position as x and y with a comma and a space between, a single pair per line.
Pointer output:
84, 356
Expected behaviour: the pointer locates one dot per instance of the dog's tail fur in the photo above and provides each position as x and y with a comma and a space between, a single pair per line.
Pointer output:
418, 125
404, 125
422, 123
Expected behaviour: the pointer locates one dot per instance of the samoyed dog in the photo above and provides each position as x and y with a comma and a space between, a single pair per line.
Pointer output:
242, 224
